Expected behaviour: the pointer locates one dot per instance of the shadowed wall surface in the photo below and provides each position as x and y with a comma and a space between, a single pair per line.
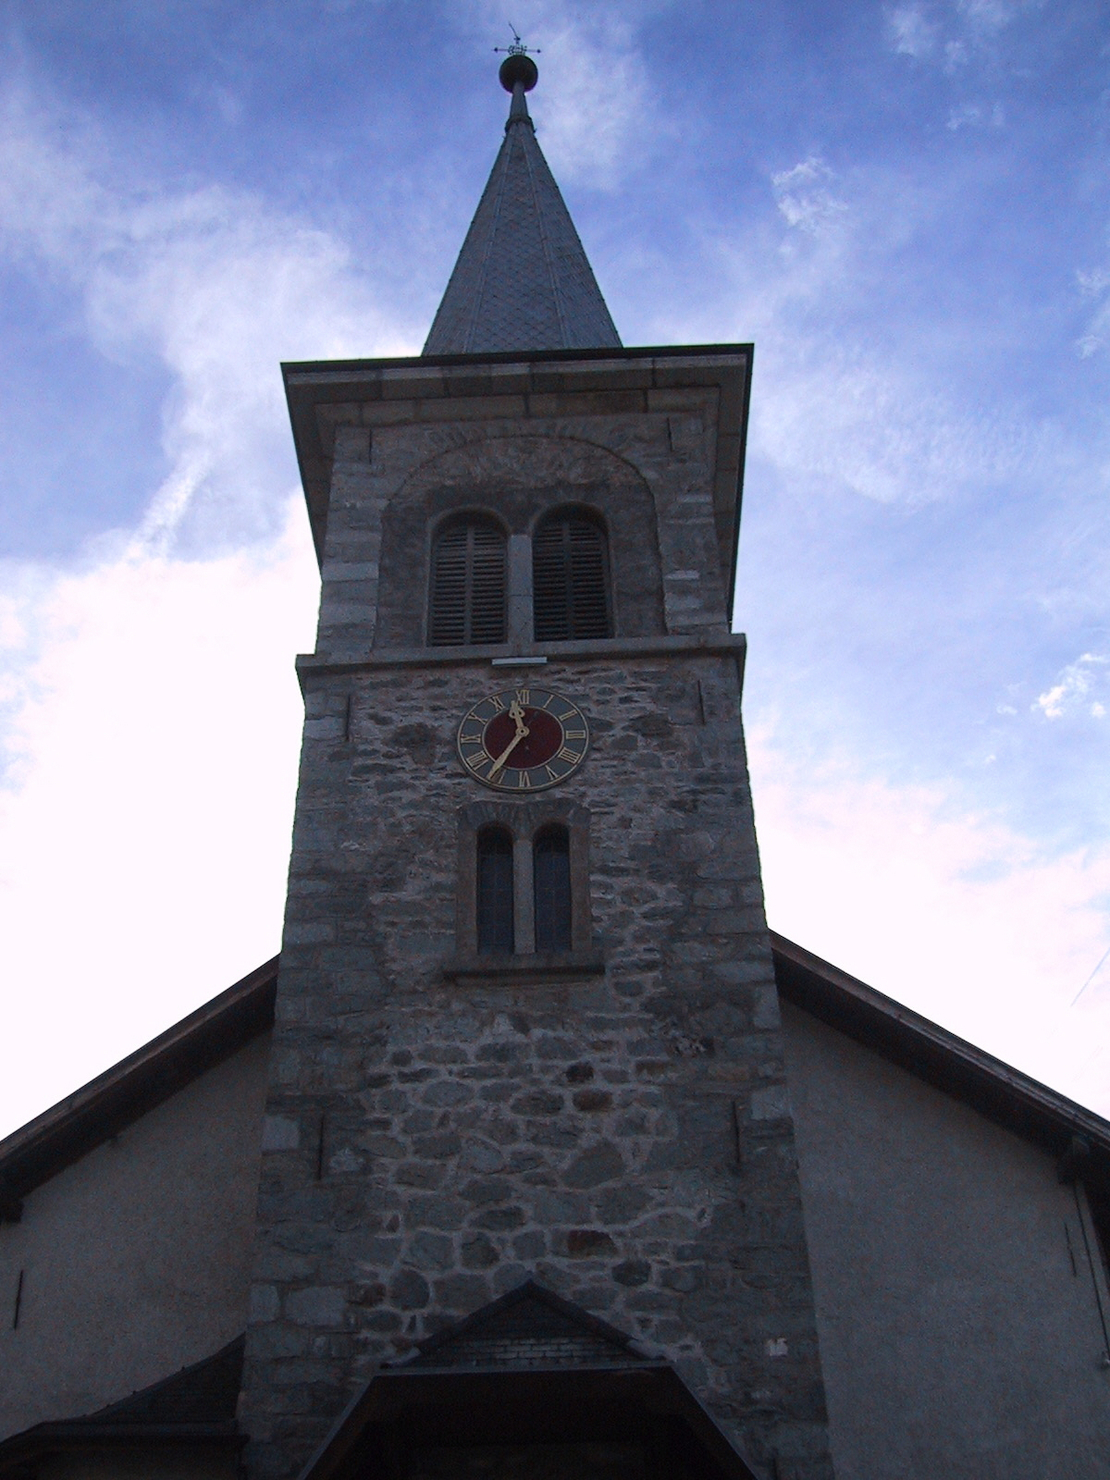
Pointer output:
134, 1258
956, 1304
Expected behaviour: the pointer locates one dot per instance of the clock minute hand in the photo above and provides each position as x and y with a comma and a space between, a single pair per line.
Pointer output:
499, 763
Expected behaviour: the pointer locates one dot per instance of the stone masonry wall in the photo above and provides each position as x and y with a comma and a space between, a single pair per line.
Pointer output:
625, 1139
668, 447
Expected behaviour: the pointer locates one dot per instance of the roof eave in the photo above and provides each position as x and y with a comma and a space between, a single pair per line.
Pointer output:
1002, 1094
115, 1099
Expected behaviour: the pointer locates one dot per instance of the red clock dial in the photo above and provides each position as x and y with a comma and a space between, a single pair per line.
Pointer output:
543, 740
523, 739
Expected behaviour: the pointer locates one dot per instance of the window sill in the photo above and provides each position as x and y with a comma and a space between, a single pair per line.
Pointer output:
563, 966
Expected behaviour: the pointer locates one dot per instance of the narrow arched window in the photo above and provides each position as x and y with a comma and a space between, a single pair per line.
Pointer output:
467, 598
495, 892
551, 876
570, 578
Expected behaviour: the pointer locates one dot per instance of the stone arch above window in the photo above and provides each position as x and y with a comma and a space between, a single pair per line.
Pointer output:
570, 576
467, 582
523, 478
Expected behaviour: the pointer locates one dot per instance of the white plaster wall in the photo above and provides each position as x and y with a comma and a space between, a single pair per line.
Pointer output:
135, 1258
956, 1308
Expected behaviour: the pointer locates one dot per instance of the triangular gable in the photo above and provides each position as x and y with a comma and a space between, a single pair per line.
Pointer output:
526, 1329
528, 1384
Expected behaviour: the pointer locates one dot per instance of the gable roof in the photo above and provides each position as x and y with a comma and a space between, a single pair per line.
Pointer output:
118, 1097
522, 280
949, 1063
115, 1099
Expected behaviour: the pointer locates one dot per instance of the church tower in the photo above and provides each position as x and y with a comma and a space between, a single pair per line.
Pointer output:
529, 1199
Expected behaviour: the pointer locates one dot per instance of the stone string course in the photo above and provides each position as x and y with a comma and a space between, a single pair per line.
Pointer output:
623, 1139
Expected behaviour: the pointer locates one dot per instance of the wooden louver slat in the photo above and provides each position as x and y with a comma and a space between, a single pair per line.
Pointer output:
570, 580
468, 585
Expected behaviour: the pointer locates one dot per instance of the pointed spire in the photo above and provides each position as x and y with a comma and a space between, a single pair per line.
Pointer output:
522, 280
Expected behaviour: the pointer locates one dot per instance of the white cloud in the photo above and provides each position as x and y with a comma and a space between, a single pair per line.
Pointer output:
1094, 283
805, 195
987, 16
149, 714
144, 831
847, 416
216, 284
951, 912
593, 107
910, 31
1072, 690
973, 30
976, 115
839, 405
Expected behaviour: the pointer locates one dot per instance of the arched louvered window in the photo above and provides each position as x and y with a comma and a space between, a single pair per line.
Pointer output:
467, 599
551, 877
570, 578
495, 892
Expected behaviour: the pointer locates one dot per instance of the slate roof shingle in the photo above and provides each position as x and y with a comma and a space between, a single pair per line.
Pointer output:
522, 280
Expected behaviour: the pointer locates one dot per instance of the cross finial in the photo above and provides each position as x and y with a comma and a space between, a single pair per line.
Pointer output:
518, 48
518, 72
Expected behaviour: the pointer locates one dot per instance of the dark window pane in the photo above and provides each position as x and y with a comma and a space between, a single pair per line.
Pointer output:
495, 892
570, 579
467, 600
551, 871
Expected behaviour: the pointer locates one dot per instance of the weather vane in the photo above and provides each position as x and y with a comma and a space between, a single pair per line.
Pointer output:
518, 48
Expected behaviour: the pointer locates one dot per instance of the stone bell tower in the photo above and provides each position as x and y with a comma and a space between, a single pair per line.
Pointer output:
529, 1199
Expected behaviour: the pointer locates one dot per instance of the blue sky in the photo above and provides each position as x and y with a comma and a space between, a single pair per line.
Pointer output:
905, 206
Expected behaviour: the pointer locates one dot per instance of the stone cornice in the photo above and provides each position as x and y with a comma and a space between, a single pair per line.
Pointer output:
504, 660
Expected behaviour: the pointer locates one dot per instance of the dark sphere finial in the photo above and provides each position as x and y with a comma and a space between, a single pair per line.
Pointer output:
518, 66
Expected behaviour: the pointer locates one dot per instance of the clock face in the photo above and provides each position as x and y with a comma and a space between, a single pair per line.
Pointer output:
523, 739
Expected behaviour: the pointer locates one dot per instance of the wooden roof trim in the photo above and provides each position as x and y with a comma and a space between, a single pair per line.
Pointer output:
118, 1097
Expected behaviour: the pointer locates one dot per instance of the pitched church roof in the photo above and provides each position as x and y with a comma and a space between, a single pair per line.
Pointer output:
38, 1151
117, 1098
522, 280
195, 1406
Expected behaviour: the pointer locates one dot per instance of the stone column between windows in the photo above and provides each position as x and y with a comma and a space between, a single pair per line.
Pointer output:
520, 590
524, 899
